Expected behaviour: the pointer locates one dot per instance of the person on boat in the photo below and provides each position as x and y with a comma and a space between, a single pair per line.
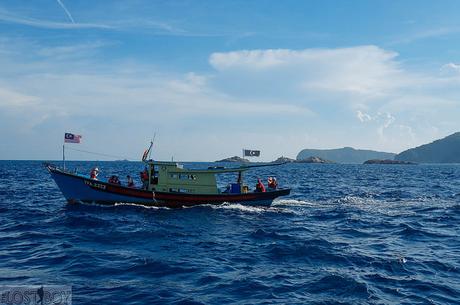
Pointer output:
114, 180
240, 178
130, 181
145, 178
260, 188
94, 172
272, 183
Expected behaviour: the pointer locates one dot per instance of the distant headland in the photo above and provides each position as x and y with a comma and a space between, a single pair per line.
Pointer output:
344, 155
445, 150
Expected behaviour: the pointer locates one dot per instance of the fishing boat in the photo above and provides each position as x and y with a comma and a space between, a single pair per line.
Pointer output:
168, 184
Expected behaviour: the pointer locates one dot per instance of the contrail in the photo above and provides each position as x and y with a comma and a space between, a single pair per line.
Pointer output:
66, 10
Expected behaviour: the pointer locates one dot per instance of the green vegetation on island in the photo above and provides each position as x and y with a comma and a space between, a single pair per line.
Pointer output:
344, 155
445, 150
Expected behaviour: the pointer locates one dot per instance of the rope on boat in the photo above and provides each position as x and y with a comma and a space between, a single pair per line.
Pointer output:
100, 154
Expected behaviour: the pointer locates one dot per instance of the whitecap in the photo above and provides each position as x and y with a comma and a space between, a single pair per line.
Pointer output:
291, 202
140, 205
240, 207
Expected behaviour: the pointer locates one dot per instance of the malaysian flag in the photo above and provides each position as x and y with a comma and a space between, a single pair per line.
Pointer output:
71, 138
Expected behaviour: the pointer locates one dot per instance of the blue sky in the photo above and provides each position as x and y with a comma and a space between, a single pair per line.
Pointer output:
212, 77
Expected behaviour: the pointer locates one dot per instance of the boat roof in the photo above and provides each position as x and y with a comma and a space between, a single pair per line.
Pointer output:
210, 170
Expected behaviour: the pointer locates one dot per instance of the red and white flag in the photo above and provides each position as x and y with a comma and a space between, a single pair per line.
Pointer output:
71, 138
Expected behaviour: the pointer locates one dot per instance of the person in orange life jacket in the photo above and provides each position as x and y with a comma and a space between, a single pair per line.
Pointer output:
272, 183
260, 186
145, 178
94, 172
130, 181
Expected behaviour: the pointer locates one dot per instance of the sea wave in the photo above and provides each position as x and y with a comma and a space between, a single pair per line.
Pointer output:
347, 234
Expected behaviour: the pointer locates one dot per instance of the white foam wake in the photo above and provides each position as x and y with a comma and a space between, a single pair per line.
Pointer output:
139, 205
291, 202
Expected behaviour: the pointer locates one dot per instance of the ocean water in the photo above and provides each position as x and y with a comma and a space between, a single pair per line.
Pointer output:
347, 234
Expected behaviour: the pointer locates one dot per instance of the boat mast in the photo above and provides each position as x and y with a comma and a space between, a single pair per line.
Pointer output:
63, 156
144, 159
151, 144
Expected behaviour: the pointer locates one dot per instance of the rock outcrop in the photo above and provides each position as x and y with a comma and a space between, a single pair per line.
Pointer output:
284, 160
234, 159
310, 159
313, 159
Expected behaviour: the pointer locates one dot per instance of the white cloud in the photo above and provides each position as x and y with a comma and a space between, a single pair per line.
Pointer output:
366, 82
13, 100
364, 72
6, 16
363, 117
450, 69
73, 50
266, 98
426, 34
95, 100
119, 23
383, 120
254, 59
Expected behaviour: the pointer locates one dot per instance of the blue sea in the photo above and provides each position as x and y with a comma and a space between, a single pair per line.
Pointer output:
347, 234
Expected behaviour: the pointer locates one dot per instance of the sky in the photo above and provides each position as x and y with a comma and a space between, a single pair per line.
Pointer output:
209, 78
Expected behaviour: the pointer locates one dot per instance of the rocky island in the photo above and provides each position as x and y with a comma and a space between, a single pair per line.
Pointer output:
345, 155
313, 159
306, 160
234, 159
283, 159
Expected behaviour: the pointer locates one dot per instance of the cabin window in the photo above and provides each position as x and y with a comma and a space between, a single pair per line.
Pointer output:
187, 177
179, 190
183, 176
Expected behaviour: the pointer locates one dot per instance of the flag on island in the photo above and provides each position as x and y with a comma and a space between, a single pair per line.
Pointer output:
251, 153
71, 138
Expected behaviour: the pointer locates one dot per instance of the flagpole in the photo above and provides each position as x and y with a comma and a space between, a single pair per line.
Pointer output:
63, 155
